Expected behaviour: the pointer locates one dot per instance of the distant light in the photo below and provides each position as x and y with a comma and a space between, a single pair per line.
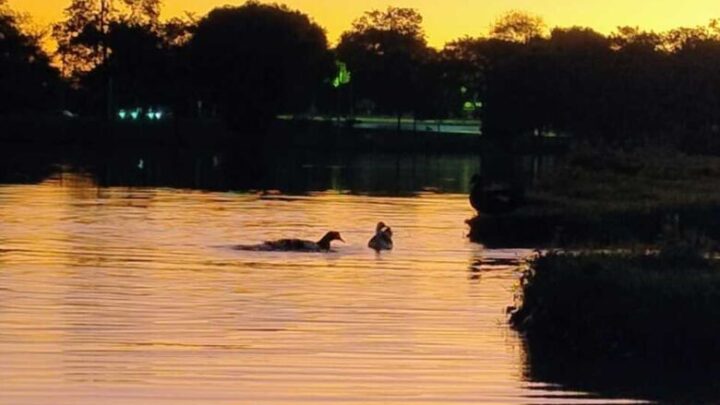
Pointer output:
158, 115
141, 164
135, 113
150, 114
469, 106
463, 90
122, 114
478, 104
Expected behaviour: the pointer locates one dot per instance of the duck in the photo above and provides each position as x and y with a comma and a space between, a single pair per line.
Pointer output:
296, 245
494, 198
382, 240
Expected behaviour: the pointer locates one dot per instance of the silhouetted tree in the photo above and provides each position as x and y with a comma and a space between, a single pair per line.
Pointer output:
691, 99
630, 86
683, 38
177, 31
385, 51
464, 68
256, 60
142, 12
576, 68
252, 62
635, 39
518, 26
82, 35
137, 63
27, 81
119, 53
403, 21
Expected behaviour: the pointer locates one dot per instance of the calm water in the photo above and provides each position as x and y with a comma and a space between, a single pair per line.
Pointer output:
132, 295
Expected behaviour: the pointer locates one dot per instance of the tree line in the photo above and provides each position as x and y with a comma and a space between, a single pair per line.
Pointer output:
247, 64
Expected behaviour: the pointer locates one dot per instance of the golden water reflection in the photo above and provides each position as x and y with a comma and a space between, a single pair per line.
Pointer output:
133, 296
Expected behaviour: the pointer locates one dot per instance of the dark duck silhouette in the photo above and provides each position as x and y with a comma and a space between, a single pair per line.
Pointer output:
295, 245
494, 197
382, 240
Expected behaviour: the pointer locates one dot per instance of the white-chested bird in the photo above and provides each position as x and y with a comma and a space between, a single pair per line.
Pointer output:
382, 240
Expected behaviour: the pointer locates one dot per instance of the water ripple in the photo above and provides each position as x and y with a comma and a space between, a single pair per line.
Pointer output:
134, 296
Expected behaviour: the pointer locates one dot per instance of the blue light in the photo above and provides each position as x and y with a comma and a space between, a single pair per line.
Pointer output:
122, 114
158, 115
150, 115
135, 113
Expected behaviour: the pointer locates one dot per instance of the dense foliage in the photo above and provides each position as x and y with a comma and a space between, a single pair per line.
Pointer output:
256, 61
386, 51
27, 81
251, 62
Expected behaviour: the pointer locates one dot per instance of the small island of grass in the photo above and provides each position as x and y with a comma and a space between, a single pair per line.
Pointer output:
610, 198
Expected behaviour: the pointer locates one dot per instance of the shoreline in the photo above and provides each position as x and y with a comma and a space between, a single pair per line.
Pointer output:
283, 134
608, 198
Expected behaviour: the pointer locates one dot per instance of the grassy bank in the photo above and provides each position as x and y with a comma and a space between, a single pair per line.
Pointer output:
600, 198
663, 308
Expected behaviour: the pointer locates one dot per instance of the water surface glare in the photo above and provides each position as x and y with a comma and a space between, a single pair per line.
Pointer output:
134, 296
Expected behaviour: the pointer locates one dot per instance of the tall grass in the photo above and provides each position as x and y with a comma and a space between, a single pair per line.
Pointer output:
664, 307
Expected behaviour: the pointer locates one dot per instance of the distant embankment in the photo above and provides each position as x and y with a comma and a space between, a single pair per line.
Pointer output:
283, 134
612, 198
58, 130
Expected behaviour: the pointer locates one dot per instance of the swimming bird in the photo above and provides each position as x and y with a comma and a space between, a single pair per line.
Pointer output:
494, 197
382, 240
296, 245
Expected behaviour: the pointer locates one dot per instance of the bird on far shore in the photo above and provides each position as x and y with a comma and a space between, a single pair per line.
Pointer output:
295, 245
494, 197
382, 240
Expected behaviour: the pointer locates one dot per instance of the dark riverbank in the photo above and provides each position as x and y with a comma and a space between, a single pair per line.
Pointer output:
640, 319
282, 135
661, 306
610, 198
654, 315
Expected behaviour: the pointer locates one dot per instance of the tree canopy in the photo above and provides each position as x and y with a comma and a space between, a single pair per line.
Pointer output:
249, 63
27, 80
385, 50
82, 36
518, 26
257, 60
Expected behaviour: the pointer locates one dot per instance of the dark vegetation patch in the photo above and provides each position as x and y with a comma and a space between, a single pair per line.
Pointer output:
662, 307
610, 198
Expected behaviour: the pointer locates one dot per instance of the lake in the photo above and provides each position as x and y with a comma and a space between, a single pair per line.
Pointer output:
119, 284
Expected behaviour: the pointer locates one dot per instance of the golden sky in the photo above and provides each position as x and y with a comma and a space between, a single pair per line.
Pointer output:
449, 19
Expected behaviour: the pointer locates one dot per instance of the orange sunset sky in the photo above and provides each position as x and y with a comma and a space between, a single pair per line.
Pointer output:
446, 20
